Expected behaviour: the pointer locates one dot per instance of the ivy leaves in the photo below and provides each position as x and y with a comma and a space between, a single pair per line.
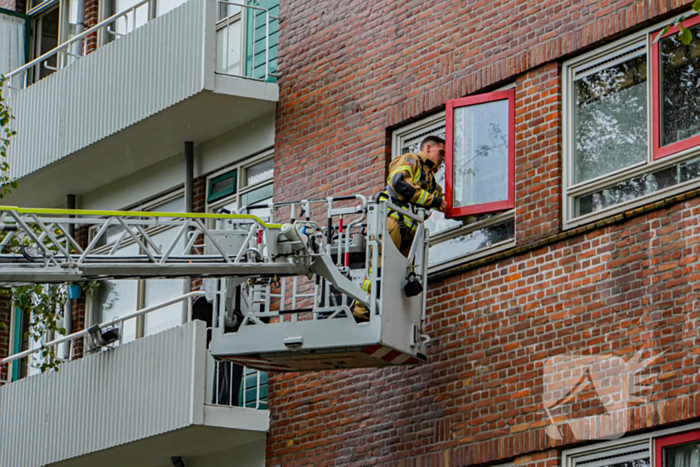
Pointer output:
6, 132
684, 34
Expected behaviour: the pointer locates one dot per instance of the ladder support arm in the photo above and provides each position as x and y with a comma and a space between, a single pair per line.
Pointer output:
323, 266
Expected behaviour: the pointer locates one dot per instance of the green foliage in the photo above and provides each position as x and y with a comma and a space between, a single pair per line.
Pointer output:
44, 303
684, 35
6, 132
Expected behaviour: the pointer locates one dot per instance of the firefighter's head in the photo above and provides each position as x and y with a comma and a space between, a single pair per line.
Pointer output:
434, 148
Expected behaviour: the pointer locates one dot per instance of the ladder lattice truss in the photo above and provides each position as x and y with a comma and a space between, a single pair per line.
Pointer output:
248, 262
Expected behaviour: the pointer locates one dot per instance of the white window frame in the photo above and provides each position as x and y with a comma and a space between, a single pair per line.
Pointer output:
571, 456
471, 224
572, 190
223, 23
241, 189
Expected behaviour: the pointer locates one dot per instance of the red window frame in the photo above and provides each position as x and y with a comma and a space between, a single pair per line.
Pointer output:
664, 151
484, 208
673, 440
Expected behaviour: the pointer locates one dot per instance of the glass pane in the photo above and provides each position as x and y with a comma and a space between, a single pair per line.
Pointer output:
679, 80
111, 235
230, 207
223, 185
262, 213
228, 9
480, 154
73, 6
635, 463
259, 172
36, 3
436, 222
228, 49
116, 298
610, 119
470, 243
174, 205
47, 40
637, 187
684, 455
160, 290
257, 196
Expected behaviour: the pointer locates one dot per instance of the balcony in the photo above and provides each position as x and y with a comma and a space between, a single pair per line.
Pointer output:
138, 404
183, 76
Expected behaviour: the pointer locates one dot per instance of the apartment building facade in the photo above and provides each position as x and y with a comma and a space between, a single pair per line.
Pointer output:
563, 279
550, 310
142, 106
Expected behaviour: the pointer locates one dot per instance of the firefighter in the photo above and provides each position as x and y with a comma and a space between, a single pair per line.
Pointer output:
411, 181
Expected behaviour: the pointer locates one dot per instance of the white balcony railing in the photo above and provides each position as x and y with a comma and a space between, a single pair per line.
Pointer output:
231, 50
141, 402
220, 376
133, 94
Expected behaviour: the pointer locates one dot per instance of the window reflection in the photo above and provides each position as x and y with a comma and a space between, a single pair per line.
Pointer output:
637, 187
684, 455
610, 119
471, 242
462, 245
679, 81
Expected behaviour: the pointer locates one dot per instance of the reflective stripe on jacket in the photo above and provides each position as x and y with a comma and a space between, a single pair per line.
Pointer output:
412, 180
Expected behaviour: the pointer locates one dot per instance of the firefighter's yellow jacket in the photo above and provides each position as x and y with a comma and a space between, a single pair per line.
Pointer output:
412, 181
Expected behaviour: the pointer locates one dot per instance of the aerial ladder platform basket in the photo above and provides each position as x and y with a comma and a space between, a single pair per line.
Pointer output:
282, 290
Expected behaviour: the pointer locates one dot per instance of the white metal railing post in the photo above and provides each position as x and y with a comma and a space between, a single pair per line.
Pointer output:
267, 44
116, 321
257, 392
62, 50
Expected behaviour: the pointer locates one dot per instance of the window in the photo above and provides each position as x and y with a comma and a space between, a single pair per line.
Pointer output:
617, 455
45, 29
53, 22
480, 154
681, 450
246, 39
631, 125
676, 77
14, 35
229, 40
116, 298
672, 447
242, 185
453, 240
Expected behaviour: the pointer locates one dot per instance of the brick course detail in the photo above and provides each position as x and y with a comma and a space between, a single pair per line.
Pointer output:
350, 73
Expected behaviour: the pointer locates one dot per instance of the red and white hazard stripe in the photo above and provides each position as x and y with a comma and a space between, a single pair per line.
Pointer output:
391, 356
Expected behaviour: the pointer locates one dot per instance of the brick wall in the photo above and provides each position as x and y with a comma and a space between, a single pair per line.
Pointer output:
92, 10
350, 72
617, 291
